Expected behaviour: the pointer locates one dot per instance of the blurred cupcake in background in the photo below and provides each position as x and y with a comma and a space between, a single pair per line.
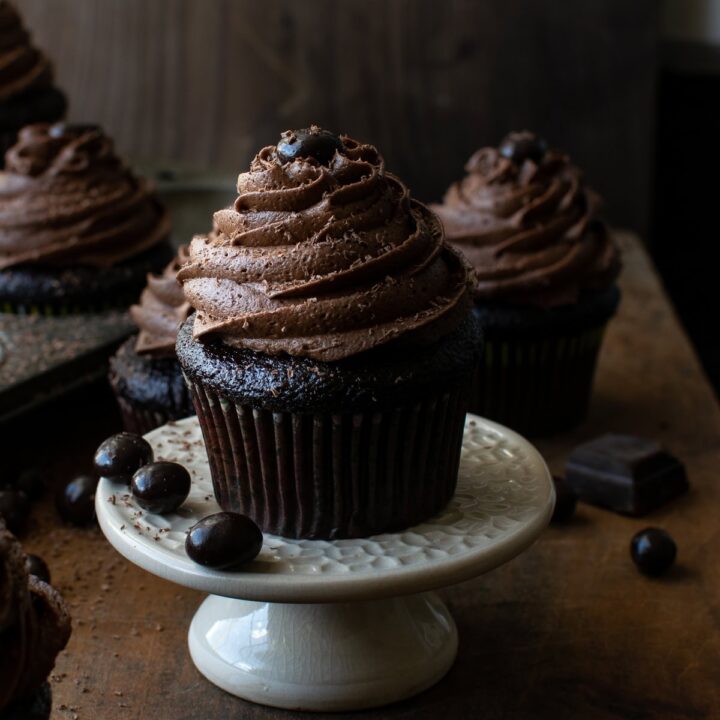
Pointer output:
34, 628
144, 373
27, 93
546, 268
78, 230
333, 346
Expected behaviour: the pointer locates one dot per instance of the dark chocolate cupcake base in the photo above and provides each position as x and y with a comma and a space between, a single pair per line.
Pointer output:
39, 290
150, 391
593, 309
537, 370
383, 377
330, 450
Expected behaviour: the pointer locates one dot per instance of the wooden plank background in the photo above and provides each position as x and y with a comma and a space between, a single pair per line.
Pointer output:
205, 84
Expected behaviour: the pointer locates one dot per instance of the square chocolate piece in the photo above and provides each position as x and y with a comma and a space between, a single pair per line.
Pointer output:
628, 474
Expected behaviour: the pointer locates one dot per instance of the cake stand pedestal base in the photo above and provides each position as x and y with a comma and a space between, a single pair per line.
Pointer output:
324, 656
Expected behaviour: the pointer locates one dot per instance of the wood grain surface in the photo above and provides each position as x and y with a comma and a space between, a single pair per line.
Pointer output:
206, 84
567, 630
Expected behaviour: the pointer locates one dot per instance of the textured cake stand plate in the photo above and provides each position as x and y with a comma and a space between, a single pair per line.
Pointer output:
343, 624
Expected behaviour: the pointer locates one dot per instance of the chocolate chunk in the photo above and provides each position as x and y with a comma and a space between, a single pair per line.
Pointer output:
522, 146
161, 487
76, 130
121, 455
309, 143
653, 551
628, 474
31, 482
76, 501
224, 540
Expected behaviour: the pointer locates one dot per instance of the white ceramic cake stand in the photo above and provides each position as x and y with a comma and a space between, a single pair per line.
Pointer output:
343, 624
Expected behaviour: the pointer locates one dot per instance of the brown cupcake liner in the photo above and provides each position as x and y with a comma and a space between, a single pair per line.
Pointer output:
333, 475
537, 386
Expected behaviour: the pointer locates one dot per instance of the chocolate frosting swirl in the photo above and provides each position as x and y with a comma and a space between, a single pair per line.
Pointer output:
324, 260
34, 625
22, 66
529, 226
162, 310
67, 199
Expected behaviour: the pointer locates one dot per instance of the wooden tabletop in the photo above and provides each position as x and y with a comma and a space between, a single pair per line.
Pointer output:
567, 630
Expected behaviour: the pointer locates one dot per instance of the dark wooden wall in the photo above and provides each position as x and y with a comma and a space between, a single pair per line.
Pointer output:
205, 83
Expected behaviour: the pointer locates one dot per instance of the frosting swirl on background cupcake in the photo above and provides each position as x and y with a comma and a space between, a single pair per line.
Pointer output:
528, 225
22, 66
324, 255
67, 199
162, 310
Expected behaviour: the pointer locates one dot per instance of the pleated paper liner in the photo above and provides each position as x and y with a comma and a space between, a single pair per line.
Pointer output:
537, 386
333, 475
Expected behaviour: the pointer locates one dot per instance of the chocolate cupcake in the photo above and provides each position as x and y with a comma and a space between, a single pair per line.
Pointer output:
34, 628
145, 373
546, 268
78, 231
333, 347
27, 94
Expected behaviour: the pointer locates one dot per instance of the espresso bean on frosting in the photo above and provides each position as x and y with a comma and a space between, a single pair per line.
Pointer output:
522, 146
309, 143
